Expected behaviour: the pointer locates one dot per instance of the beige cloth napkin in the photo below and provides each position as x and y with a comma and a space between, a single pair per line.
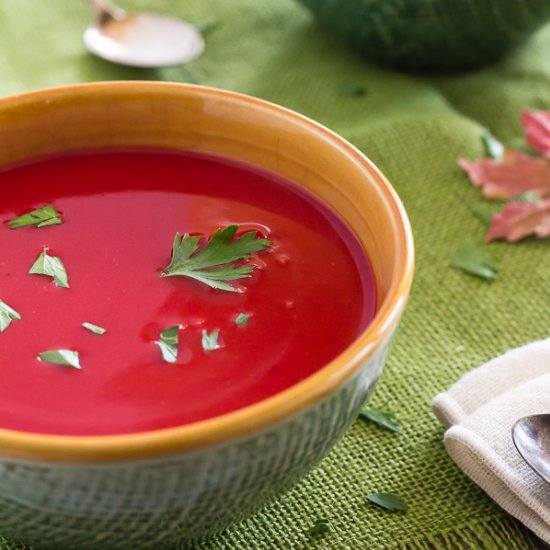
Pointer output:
479, 412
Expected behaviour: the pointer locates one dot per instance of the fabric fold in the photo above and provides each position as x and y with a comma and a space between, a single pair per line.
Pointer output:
480, 411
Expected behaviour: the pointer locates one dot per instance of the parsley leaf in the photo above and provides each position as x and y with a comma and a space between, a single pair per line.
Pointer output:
381, 418
65, 357
242, 319
94, 328
492, 145
208, 27
41, 217
210, 341
474, 261
528, 196
7, 315
213, 264
168, 344
321, 525
52, 266
351, 89
484, 212
388, 501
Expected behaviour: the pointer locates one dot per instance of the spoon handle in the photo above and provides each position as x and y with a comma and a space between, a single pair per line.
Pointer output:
104, 11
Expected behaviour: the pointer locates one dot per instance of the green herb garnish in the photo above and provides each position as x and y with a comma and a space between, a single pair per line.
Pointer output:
320, 526
214, 263
65, 357
208, 27
41, 217
51, 266
492, 145
474, 261
388, 501
210, 341
484, 212
242, 319
94, 328
528, 196
7, 315
168, 344
381, 418
354, 90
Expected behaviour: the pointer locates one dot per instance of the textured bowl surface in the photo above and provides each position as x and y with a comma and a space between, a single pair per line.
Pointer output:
177, 484
432, 35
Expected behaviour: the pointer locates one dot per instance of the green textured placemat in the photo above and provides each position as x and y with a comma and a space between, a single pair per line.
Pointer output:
414, 129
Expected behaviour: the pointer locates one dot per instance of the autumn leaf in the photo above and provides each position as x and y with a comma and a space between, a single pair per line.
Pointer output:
514, 174
537, 130
511, 175
520, 219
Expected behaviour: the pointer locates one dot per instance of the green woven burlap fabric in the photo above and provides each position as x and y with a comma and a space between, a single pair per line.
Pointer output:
414, 128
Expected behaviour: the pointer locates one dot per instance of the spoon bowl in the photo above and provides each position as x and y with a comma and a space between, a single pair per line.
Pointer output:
144, 40
531, 436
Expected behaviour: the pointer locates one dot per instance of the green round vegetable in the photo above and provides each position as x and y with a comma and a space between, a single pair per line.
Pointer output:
432, 35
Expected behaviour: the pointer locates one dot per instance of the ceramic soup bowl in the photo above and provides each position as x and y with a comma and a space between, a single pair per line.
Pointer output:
175, 485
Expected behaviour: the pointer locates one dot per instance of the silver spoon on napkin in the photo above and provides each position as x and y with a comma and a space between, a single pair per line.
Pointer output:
531, 436
142, 39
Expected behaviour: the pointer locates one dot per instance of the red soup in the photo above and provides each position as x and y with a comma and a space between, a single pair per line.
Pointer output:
309, 293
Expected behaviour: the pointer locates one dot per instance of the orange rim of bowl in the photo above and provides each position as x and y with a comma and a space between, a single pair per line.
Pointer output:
256, 417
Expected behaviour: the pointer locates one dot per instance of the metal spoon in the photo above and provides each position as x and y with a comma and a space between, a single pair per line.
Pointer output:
531, 436
141, 40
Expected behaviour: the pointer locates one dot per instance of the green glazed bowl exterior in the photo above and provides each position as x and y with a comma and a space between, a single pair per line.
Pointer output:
432, 35
176, 500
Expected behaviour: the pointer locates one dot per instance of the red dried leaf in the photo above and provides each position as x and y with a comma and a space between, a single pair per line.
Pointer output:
520, 219
514, 174
537, 130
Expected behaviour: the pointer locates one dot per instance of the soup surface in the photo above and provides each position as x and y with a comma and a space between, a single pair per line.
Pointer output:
310, 294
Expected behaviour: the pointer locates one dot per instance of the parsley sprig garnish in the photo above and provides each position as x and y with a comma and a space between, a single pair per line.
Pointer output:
168, 344
321, 525
64, 357
242, 319
473, 260
7, 315
51, 266
210, 341
388, 501
41, 217
100, 331
381, 418
215, 262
